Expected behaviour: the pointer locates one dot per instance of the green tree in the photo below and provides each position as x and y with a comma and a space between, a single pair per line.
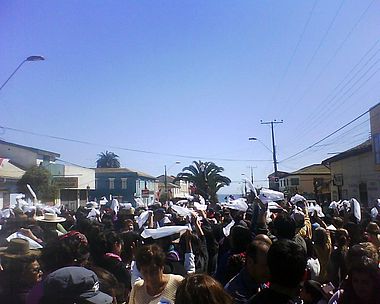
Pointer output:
41, 182
108, 160
206, 177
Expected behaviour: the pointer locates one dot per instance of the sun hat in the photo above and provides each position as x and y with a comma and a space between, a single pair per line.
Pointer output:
50, 218
18, 248
74, 283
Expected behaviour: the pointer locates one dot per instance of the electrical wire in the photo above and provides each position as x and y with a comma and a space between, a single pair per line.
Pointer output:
324, 138
129, 149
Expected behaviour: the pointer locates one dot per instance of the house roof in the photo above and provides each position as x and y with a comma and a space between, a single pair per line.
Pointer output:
8, 170
123, 170
359, 149
169, 178
279, 174
38, 151
315, 169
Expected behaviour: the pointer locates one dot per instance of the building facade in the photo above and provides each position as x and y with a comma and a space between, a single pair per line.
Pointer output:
313, 182
176, 190
9, 176
356, 172
124, 184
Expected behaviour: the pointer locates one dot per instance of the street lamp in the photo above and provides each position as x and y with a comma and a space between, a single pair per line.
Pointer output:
260, 141
166, 178
30, 58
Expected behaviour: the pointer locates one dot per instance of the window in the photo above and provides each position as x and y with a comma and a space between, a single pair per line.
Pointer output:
111, 182
294, 181
376, 147
123, 183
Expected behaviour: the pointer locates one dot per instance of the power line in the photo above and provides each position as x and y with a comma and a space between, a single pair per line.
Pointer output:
324, 138
311, 118
129, 149
295, 49
318, 47
328, 63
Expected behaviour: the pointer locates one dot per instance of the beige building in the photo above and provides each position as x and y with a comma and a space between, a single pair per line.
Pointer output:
9, 176
312, 181
356, 172
177, 190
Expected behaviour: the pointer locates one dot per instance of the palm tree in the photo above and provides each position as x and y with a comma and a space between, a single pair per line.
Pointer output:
108, 160
206, 177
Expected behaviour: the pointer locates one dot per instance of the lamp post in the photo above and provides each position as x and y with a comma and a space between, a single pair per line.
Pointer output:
166, 178
30, 58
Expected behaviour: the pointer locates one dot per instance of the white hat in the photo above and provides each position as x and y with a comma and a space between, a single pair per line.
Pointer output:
333, 205
267, 195
50, 218
297, 198
237, 204
163, 231
202, 200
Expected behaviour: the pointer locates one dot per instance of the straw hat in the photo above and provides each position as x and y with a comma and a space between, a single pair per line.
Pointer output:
18, 248
50, 218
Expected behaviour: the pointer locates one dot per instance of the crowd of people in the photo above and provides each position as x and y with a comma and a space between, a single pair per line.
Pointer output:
265, 248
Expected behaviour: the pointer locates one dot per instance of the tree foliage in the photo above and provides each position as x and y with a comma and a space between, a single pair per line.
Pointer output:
108, 160
39, 178
206, 177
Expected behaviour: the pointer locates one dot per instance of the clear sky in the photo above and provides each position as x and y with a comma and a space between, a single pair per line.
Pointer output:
191, 78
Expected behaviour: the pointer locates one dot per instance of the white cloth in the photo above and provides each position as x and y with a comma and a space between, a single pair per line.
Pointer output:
182, 211
374, 213
227, 229
274, 206
268, 195
237, 204
115, 205
143, 217
163, 231
93, 214
314, 267
135, 273
355, 206
199, 206
189, 262
32, 244
297, 198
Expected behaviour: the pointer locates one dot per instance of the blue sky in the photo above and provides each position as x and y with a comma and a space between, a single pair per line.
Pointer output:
190, 78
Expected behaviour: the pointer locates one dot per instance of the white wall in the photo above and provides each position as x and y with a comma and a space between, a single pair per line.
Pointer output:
86, 177
21, 156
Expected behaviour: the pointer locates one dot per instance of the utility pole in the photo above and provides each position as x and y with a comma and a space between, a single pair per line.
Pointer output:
272, 123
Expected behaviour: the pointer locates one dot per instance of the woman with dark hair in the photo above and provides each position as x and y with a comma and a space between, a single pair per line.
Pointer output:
155, 287
108, 248
362, 285
201, 289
